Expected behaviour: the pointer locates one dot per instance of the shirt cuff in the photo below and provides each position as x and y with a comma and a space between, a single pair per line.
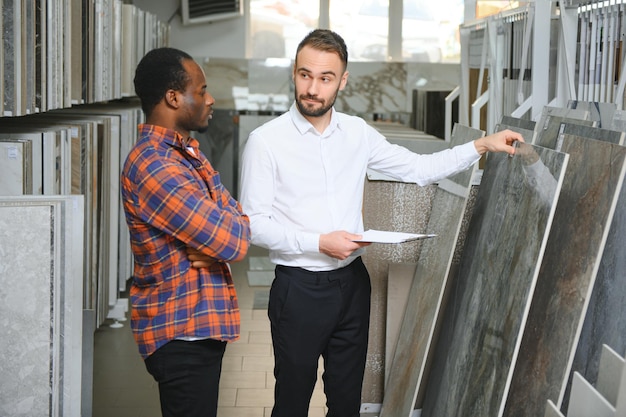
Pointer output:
310, 242
469, 151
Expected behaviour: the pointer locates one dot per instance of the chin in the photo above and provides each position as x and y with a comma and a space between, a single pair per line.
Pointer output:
202, 129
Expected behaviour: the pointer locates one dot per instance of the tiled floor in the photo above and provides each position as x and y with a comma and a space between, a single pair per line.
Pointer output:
123, 387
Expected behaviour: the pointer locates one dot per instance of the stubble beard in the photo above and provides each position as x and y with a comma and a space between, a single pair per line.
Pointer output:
311, 111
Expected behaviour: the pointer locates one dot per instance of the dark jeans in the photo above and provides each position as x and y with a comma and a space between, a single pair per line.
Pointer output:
188, 374
313, 314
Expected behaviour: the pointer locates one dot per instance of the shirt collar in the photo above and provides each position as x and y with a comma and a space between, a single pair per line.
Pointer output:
168, 136
303, 125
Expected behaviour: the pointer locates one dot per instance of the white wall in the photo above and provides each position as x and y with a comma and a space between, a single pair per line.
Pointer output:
221, 39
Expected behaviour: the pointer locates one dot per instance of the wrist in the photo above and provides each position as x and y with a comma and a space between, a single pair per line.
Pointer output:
480, 146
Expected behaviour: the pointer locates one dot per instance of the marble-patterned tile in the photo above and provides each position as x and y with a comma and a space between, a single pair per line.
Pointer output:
374, 87
26, 308
270, 76
568, 270
218, 143
419, 324
432, 76
225, 77
491, 293
601, 113
42, 315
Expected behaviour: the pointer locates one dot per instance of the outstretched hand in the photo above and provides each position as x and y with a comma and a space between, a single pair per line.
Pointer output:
340, 244
501, 141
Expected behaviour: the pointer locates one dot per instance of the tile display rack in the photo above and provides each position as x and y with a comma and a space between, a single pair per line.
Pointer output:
68, 119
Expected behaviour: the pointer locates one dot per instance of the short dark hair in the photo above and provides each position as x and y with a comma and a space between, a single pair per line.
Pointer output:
160, 70
328, 41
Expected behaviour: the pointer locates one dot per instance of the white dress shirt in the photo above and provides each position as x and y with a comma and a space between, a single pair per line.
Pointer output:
297, 184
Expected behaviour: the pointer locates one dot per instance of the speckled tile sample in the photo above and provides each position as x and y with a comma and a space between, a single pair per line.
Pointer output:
393, 206
427, 290
26, 326
581, 223
40, 305
499, 266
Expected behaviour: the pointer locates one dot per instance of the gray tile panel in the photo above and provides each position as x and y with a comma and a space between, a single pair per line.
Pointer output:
492, 290
419, 325
581, 223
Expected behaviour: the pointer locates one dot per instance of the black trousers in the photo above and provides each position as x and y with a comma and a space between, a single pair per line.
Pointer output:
188, 374
313, 314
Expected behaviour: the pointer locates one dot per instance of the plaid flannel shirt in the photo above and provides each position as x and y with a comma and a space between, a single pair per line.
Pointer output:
173, 199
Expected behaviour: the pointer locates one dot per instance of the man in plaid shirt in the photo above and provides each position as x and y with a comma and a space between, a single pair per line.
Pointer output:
177, 210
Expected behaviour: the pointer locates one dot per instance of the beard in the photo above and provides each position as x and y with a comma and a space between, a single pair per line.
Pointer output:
310, 111
202, 129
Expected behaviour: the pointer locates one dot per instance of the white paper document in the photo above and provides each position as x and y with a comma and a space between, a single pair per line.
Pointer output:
379, 236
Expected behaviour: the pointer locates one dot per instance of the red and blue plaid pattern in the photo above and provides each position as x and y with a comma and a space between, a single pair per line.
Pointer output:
173, 199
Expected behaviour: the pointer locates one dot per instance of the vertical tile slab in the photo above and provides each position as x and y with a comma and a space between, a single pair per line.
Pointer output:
398, 285
392, 206
581, 223
604, 320
490, 299
26, 309
427, 290
41, 305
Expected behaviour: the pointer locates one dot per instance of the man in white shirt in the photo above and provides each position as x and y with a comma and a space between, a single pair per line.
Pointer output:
302, 187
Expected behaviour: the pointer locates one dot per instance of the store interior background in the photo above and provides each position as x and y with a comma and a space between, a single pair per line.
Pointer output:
404, 90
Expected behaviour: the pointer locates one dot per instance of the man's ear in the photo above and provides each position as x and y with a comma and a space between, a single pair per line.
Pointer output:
172, 99
344, 80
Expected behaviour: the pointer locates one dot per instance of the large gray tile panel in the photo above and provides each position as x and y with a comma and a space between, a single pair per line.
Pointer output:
514, 122
604, 321
392, 206
427, 291
551, 127
585, 208
41, 305
398, 287
590, 132
491, 294
601, 113
26, 310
